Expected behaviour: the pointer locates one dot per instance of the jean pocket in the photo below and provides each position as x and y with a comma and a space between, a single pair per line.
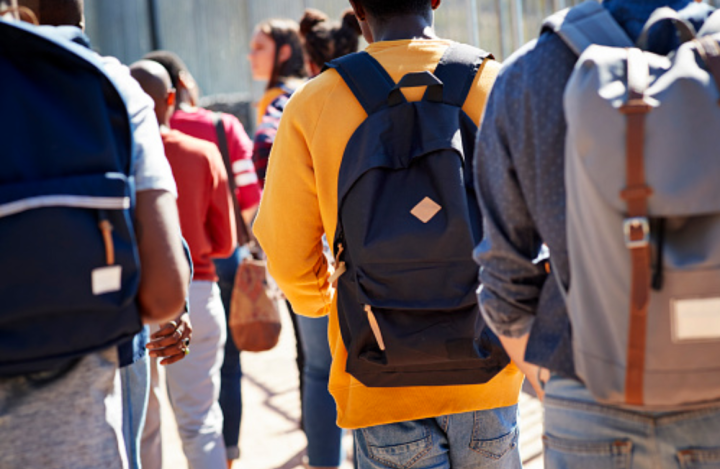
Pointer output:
389, 445
699, 458
496, 448
561, 453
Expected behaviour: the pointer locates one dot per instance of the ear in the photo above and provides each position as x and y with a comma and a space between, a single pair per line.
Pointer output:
436, 4
359, 10
284, 53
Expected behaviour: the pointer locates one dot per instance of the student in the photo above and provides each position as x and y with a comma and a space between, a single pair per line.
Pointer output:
423, 426
520, 172
87, 433
323, 41
276, 57
197, 122
208, 224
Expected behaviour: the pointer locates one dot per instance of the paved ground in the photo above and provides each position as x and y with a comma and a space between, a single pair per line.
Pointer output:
271, 437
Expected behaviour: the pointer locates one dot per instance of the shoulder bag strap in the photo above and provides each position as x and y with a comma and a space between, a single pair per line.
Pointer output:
243, 232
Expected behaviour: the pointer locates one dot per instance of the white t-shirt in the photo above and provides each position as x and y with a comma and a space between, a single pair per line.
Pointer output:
152, 170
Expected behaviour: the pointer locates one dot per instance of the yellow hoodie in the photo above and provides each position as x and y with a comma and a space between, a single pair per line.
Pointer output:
300, 204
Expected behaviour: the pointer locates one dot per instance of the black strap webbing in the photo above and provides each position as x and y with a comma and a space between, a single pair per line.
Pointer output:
457, 70
366, 78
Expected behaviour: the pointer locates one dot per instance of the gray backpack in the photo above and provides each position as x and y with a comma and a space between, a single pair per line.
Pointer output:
642, 173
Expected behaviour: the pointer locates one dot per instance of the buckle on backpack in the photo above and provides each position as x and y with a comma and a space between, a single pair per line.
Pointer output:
632, 227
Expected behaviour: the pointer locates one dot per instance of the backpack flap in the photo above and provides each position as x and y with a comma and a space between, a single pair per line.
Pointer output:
654, 348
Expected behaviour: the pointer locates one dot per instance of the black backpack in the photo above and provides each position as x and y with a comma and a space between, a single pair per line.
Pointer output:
70, 265
407, 225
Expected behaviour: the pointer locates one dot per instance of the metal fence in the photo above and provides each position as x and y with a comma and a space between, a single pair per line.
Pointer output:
212, 36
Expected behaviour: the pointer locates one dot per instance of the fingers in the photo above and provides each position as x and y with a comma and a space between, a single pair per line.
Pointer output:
167, 329
173, 359
166, 341
174, 349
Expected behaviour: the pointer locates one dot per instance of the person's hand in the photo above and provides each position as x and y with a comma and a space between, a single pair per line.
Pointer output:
538, 381
172, 341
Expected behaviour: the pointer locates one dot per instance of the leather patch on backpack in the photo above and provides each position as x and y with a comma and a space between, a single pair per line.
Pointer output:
426, 210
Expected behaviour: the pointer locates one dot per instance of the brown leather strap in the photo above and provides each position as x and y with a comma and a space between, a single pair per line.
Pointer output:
710, 52
636, 226
242, 230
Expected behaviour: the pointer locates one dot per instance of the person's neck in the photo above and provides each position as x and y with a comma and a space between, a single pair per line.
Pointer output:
404, 27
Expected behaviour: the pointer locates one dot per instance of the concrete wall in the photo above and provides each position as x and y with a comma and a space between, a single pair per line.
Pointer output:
212, 35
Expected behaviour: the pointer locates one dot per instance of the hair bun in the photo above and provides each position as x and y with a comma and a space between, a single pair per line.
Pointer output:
350, 21
310, 19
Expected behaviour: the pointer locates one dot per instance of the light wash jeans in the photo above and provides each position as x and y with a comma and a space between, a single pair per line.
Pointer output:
194, 382
473, 440
318, 407
580, 433
135, 382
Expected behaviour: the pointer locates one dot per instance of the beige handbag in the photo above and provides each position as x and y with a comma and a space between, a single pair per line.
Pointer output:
254, 318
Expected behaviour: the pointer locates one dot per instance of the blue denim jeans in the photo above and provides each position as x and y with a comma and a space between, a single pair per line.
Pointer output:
581, 433
231, 372
324, 437
472, 440
135, 383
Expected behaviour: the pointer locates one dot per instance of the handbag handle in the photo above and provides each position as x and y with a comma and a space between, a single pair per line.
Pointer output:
684, 28
415, 80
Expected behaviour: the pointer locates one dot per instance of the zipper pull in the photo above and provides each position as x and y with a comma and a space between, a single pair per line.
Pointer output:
106, 229
375, 327
340, 267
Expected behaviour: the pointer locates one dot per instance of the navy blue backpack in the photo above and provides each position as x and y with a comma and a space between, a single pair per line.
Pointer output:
407, 225
70, 266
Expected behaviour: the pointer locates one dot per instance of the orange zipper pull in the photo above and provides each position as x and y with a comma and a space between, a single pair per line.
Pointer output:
340, 267
106, 229
375, 327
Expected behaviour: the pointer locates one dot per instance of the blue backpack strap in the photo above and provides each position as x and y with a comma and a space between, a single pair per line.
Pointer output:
366, 78
457, 70
586, 24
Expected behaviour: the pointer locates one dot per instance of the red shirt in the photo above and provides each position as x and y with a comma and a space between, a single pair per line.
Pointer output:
206, 212
199, 124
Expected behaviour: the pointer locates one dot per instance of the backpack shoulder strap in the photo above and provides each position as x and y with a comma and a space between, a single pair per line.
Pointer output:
586, 24
457, 70
366, 78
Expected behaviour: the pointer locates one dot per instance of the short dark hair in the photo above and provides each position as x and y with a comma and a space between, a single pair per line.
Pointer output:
383, 9
172, 63
57, 12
